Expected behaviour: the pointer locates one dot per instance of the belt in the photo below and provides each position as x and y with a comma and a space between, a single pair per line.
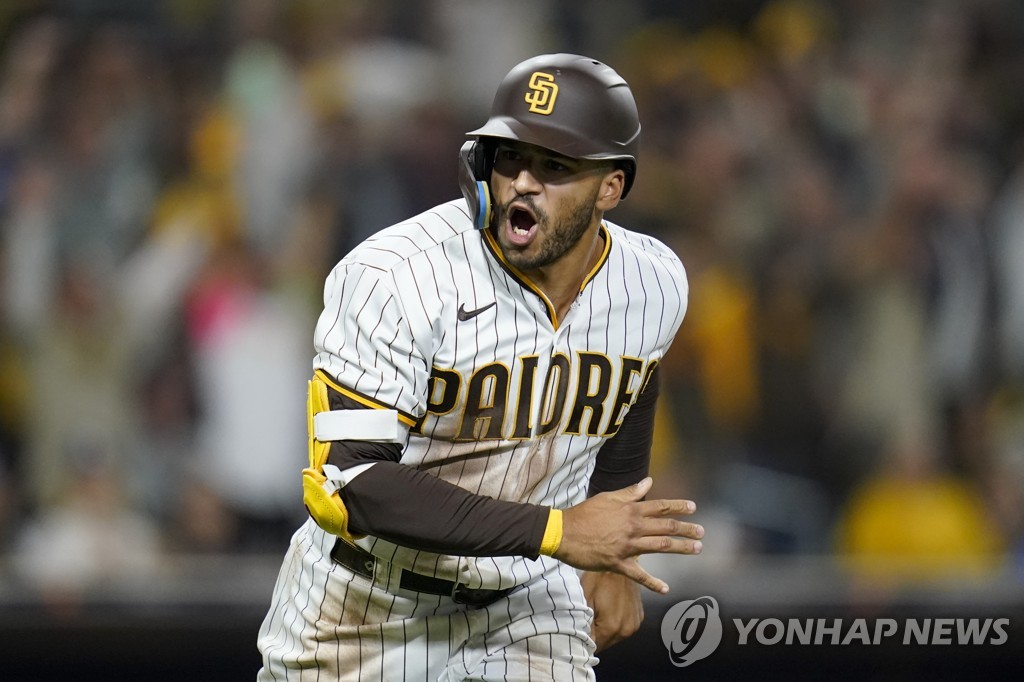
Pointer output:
361, 562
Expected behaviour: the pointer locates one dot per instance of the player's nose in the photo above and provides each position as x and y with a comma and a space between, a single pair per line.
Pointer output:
525, 182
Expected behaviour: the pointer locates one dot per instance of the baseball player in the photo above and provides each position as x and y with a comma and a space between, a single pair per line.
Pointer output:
481, 414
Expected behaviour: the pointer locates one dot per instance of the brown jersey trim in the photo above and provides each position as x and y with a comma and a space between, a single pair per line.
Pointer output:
347, 453
600, 261
363, 400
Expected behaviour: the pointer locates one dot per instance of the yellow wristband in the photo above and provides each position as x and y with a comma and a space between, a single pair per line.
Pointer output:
552, 533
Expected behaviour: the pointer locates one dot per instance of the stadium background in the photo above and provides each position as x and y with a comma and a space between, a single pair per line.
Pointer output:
844, 181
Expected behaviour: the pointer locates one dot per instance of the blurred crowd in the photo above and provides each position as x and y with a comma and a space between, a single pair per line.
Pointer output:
843, 180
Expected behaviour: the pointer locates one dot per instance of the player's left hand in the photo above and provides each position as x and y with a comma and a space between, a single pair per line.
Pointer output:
608, 531
618, 608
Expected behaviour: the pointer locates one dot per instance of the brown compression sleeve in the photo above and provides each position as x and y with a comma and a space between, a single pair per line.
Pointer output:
626, 457
411, 508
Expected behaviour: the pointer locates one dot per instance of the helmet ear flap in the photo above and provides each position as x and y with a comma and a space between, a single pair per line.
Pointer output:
475, 161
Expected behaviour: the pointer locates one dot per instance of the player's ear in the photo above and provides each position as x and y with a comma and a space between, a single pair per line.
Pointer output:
610, 192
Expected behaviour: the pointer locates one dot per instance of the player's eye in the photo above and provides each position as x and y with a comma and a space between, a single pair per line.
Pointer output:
507, 161
555, 166
506, 154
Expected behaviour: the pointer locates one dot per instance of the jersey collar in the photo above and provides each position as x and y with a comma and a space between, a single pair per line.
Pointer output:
524, 280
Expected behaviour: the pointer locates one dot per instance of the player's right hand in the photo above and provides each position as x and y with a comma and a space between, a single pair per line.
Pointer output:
609, 530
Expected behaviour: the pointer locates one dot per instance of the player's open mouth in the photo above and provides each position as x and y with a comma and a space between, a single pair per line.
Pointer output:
522, 225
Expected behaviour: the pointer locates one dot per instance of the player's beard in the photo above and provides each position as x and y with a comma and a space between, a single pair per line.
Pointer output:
552, 241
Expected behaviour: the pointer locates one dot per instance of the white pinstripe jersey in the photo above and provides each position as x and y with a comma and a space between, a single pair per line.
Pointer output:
427, 317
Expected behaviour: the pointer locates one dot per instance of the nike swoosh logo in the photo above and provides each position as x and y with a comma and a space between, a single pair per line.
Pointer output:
470, 314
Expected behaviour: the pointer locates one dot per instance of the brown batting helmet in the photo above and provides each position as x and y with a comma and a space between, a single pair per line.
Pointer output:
570, 104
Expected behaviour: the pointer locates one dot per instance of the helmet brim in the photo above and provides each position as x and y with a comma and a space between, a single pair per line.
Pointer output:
552, 137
